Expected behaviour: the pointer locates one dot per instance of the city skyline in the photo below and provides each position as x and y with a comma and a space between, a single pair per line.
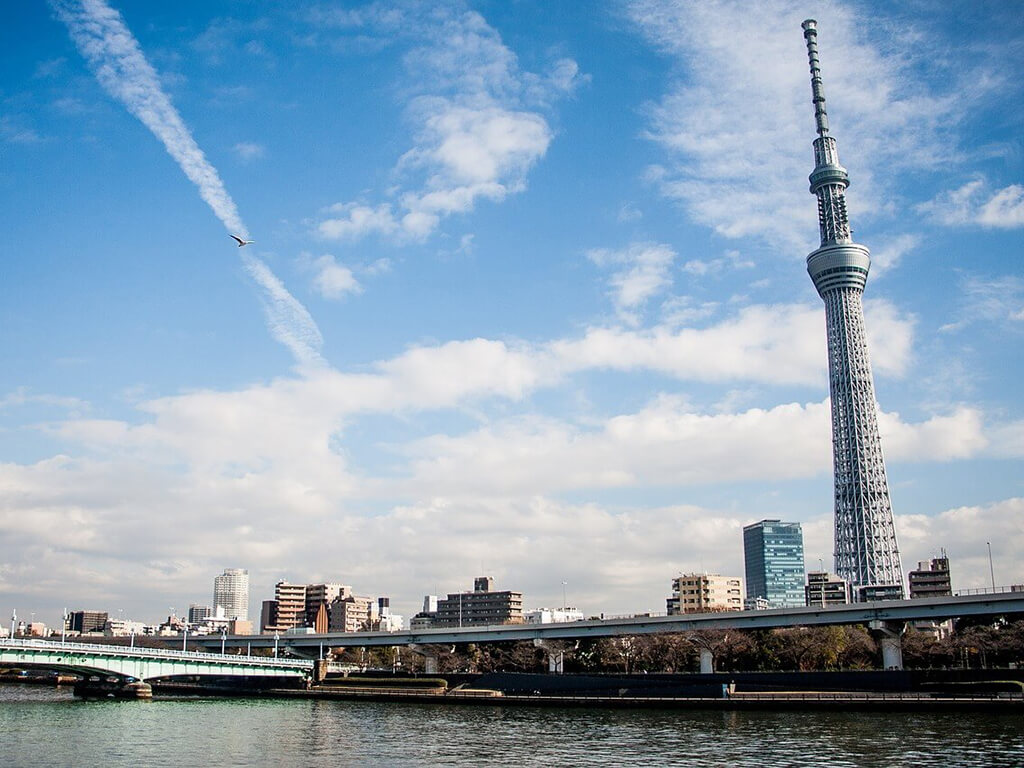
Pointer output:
527, 294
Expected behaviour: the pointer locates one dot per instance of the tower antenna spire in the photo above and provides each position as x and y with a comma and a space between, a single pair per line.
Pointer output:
817, 88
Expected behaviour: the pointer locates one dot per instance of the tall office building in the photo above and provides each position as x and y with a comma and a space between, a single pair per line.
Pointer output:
231, 593
866, 554
85, 621
289, 607
773, 556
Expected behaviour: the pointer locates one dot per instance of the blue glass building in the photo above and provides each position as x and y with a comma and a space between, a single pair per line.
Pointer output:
773, 555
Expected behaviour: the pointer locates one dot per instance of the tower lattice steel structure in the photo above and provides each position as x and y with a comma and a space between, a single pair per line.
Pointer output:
866, 553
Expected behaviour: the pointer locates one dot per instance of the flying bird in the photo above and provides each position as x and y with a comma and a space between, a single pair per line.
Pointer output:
240, 241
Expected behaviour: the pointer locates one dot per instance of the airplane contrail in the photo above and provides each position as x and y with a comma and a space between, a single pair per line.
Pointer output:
116, 59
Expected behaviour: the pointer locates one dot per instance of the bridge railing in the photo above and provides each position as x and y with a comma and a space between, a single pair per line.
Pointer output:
990, 590
158, 653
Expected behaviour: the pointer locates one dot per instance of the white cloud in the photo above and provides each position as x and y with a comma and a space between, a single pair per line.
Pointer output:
731, 259
333, 280
739, 123
959, 435
888, 255
667, 444
975, 204
258, 468
965, 533
247, 150
989, 300
779, 344
477, 125
682, 311
629, 212
646, 273
357, 220
121, 68
288, 321
15, 131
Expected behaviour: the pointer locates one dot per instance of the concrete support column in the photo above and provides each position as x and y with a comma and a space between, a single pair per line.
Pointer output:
707, 661
319, 670
429, 657
888, 634
555, 656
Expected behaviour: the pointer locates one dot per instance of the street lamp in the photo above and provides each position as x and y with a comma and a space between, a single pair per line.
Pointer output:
277, 637
991, 571
223, 639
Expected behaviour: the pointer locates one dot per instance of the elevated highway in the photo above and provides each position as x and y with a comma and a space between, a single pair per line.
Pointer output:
924, 609
887, 618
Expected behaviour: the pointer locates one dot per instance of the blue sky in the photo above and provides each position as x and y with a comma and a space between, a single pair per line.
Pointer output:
527, 296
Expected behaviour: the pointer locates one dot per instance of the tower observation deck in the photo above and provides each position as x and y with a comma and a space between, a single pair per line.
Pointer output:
866, 553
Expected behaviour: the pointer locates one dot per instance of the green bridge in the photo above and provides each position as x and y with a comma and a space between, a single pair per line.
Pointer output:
117, 670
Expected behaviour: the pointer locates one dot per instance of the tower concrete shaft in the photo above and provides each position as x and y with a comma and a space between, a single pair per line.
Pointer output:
866, 553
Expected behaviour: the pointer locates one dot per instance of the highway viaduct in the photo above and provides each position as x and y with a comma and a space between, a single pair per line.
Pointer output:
886, 619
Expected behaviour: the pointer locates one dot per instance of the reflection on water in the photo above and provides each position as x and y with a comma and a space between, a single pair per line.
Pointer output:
47, 726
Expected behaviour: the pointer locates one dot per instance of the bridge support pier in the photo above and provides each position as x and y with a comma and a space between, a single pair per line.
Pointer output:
888, 634
107, 689
319, 671
555, 656
707, 661
429, 655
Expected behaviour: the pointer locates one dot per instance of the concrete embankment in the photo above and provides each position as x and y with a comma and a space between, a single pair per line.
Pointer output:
758, 701
988, 690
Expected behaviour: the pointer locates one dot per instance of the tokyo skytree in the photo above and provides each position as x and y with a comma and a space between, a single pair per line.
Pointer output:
866, 554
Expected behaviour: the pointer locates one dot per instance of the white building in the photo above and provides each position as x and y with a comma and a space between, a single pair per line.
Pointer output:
391, 622
552, 615
125, 628
231, 592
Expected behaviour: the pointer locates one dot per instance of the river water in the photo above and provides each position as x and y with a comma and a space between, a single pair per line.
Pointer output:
46, 726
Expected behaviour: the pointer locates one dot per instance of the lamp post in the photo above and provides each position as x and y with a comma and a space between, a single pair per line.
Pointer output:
991, 570
14, 622
223, 639
277, 637
64, 626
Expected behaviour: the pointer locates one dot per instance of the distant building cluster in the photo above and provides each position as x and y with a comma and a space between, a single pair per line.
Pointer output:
307, 609
481, 607
775, 577
327, 607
